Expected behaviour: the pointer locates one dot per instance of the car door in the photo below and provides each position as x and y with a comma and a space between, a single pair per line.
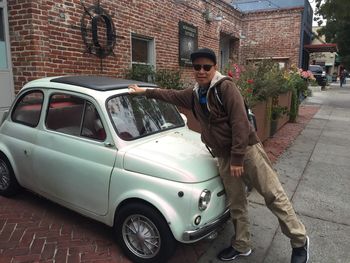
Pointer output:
20, 133
71, 161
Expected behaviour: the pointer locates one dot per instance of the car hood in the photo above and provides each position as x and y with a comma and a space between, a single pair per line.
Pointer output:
176, 156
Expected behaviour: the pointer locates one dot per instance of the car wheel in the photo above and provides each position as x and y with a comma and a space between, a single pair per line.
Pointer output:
143, 234
8, 182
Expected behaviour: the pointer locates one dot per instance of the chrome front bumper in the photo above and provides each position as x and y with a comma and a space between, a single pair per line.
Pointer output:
207, 229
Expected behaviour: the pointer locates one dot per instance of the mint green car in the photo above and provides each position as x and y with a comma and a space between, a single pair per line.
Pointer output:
124, 160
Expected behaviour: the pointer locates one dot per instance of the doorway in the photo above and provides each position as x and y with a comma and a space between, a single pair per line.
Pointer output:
228, 51
6, 75
224, 52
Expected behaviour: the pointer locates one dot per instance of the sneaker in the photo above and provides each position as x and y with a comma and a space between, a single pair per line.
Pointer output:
230, 254
301, 254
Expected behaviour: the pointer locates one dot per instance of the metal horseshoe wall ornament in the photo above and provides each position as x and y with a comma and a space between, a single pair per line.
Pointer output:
90, 23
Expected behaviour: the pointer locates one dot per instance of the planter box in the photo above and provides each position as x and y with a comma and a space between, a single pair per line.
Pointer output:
285, 101
261, 111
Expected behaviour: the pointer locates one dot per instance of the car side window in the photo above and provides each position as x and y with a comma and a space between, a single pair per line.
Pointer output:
75, 116
92, 124
27, 110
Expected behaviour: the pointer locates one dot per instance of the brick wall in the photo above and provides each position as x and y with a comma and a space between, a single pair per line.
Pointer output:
274, 34
46, 38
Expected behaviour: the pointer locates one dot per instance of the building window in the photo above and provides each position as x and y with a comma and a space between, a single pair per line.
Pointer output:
142, 50
2, 26
3, 51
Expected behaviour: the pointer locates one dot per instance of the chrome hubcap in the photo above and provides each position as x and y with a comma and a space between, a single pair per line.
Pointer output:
141, 236
4, 176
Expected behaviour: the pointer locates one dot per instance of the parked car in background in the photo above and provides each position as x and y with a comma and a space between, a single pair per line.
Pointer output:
319, 74
124, 160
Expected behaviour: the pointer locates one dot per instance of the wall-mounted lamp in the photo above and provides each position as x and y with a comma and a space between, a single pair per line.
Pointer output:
241, 36
219, 17
209, 16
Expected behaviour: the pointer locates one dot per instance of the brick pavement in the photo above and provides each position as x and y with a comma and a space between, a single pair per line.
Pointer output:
34, 230
276, 145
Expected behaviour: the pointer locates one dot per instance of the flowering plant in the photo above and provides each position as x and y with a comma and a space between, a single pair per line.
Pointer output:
244, 80
306, 74
265, 79
258, 81
298, 79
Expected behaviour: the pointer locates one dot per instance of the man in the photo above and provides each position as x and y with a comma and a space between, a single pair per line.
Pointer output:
343, 75
242, 159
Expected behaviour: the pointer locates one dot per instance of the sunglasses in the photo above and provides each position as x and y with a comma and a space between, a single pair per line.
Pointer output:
206, 67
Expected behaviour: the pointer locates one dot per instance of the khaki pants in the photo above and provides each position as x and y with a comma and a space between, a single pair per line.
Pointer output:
259, 173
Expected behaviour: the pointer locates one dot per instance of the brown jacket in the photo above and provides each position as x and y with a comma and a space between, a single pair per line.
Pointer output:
226, 130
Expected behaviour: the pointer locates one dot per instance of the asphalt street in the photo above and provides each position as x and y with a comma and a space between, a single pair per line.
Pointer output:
315, 173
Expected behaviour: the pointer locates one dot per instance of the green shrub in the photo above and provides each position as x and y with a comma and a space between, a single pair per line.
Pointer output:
164, 78
140, 72
169, 79
294, 107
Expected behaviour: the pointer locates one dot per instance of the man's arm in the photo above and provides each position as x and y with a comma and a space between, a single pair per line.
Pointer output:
182, 98
234, 105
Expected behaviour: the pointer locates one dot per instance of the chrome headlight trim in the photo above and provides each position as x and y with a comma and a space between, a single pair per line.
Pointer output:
204, 199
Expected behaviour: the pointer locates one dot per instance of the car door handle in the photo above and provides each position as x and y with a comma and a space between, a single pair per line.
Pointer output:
109, 144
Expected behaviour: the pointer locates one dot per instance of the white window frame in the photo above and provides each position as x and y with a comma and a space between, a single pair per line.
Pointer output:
3, 6
150, 50
6, 74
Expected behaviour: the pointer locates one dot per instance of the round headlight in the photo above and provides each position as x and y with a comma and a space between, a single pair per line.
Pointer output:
204, 200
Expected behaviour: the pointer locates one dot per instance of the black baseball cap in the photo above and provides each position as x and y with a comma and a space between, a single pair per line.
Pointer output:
204, 53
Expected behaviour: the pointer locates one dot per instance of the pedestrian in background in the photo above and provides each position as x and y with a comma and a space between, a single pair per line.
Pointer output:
242, 160
343, 75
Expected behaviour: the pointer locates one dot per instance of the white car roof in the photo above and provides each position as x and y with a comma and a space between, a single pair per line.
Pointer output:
86, 84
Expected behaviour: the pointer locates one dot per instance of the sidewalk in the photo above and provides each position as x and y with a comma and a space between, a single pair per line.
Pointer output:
314, 171
33, 229
274, 147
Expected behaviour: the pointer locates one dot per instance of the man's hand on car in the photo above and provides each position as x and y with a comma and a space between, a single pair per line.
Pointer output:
134, 89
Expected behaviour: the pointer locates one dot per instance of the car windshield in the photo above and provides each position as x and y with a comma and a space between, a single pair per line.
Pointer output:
136, 116
315, 68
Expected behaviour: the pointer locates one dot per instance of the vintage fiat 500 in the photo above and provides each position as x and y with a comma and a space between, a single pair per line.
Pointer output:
124, 160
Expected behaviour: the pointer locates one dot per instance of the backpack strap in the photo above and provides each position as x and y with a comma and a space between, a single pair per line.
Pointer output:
249, 112
218, 95
192, 107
